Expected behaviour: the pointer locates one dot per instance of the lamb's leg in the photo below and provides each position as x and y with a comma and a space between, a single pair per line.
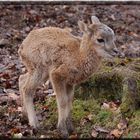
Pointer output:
22, 81
33, 81
59, 87
70, 94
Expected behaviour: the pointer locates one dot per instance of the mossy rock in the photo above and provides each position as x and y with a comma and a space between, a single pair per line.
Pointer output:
101, 86
118, 79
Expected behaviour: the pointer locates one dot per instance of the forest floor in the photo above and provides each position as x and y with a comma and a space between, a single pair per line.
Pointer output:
16, 21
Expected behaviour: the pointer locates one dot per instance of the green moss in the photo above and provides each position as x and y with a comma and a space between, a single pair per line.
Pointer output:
127, 105
104, 116
134, 125
138, 84
131, 97
82, 108
52, 114
101, 86
135, 121
101, 117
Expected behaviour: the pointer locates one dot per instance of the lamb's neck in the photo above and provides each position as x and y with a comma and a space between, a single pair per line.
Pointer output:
88, 63
90, 58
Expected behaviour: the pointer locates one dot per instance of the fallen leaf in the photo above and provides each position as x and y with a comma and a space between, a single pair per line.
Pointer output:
13, 96
90, 116
134, 34
83, 121
117, 133
94, 133
15, 130
45, 107
136, 135
113, 106
122, 125
105, 106
74, 136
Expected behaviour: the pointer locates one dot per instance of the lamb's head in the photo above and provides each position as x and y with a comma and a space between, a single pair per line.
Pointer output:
101, 35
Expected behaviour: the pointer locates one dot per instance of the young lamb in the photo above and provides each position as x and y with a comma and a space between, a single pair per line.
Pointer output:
55, 54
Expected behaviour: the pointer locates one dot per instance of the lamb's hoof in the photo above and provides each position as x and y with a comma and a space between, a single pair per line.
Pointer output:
24, 112
70, 129
63, 130
34, 123
70, 126
35, 126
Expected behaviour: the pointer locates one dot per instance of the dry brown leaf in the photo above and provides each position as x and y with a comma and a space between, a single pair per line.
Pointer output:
113, 106
15, 130
117, 133
13, 96
105, 106
90, 116
73, 136
122, 125
134, 34
136, 135
83, 121
11, 109
127, 131
94, 133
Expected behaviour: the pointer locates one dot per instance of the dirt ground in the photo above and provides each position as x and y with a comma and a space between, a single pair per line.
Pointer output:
16, 21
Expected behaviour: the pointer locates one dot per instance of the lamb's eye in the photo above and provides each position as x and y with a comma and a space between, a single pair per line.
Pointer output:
100, 40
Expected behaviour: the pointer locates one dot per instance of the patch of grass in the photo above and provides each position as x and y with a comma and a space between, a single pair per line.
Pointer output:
100, 117
52, 114
104, 116
82, 108
135, 121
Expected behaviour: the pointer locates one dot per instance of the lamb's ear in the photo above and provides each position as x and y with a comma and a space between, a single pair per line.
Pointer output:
95, 20
82, 26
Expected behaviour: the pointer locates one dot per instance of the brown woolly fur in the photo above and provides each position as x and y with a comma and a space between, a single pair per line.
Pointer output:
67, 60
